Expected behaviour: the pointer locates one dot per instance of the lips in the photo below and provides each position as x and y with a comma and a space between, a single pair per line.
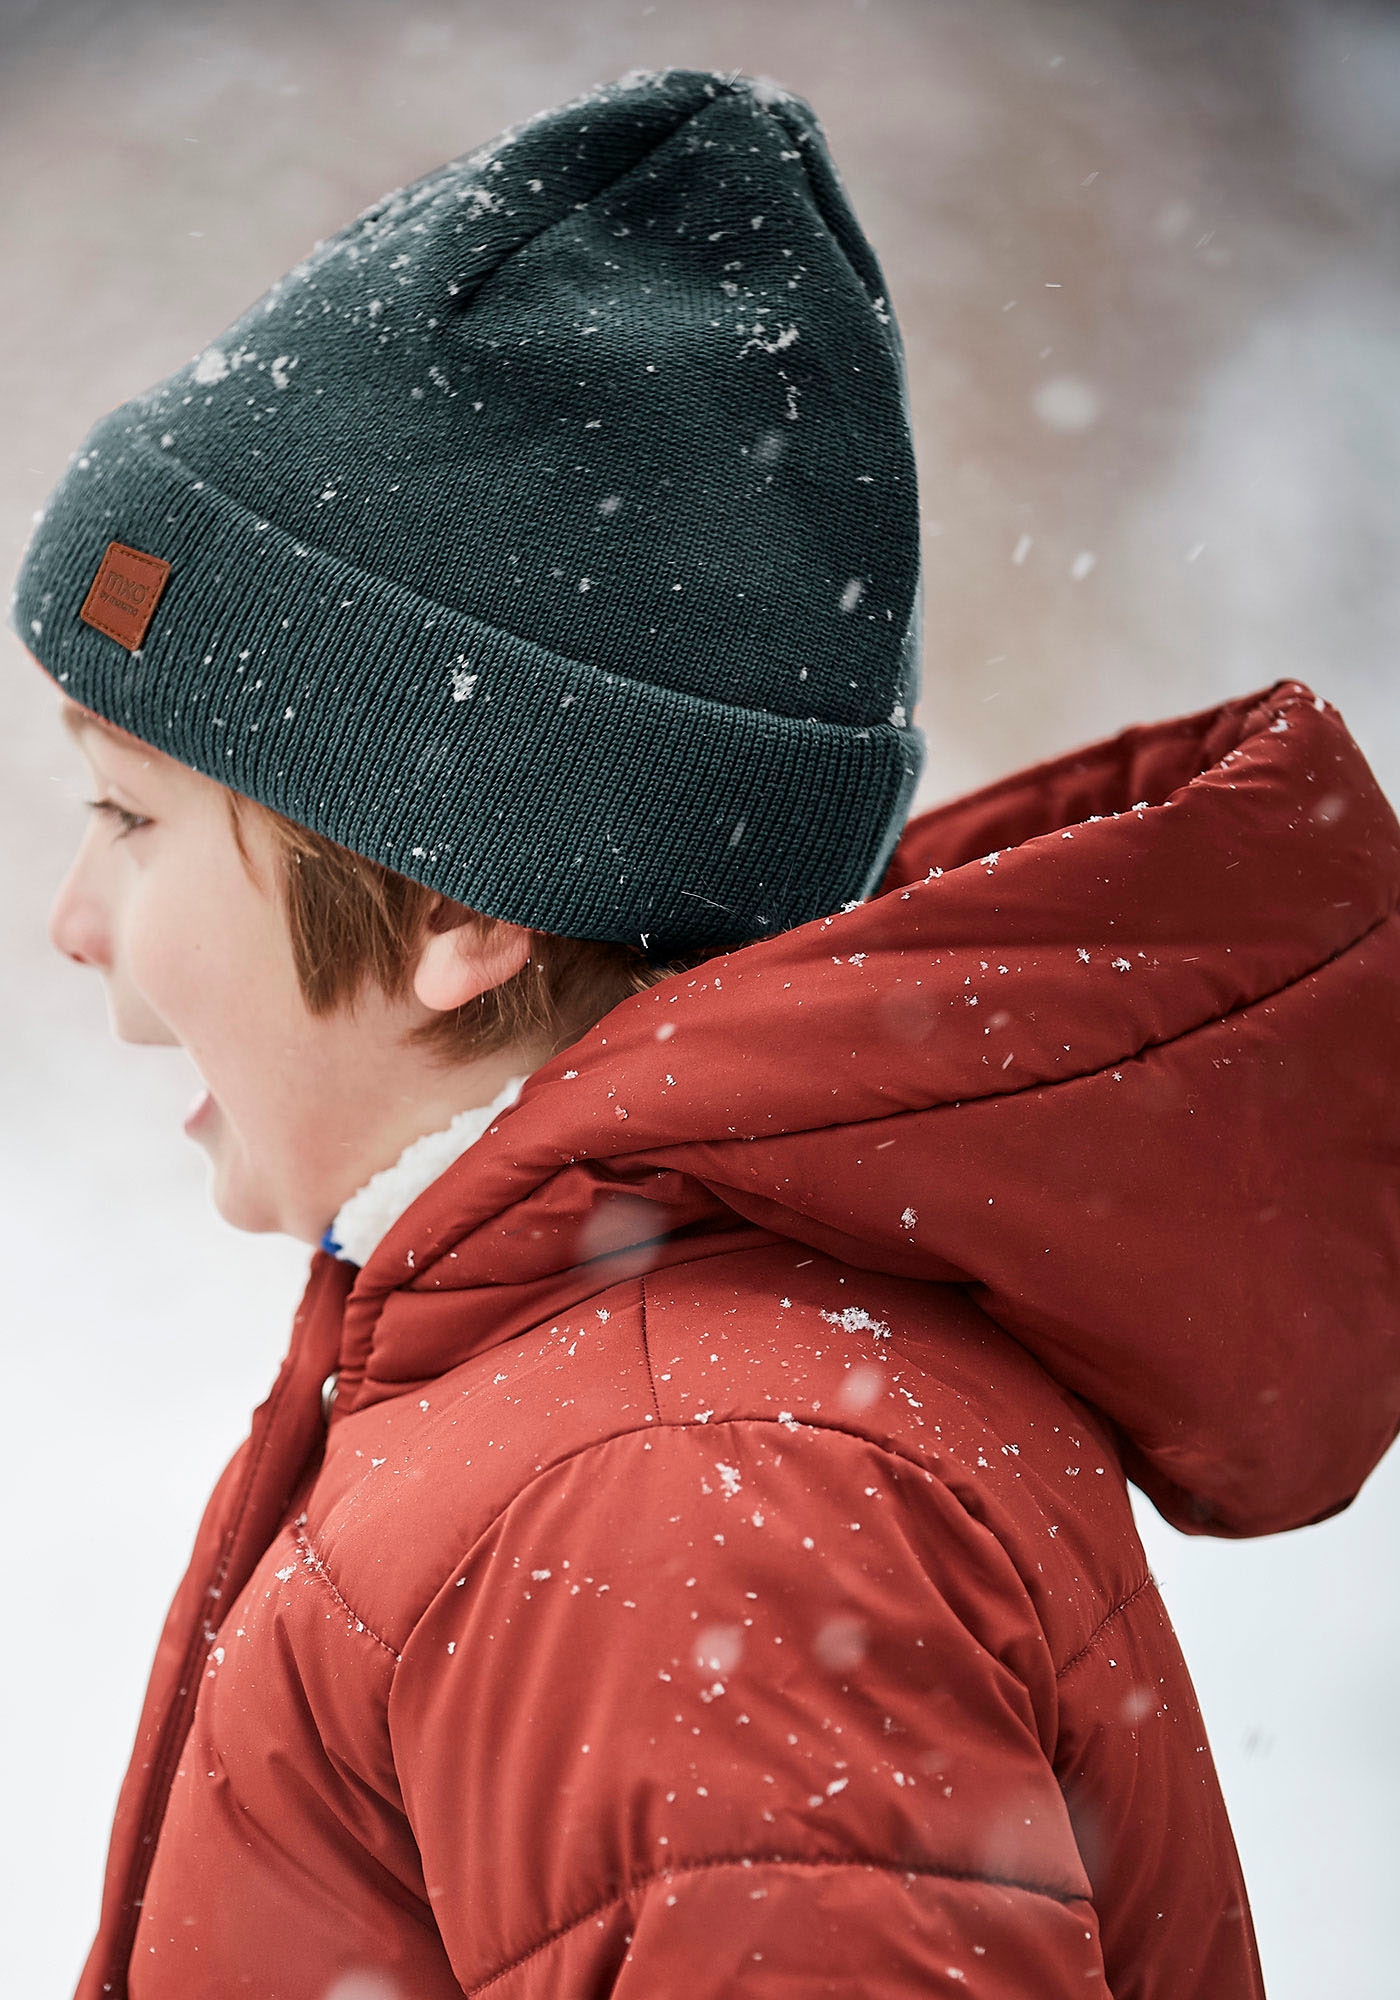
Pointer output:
200, 1114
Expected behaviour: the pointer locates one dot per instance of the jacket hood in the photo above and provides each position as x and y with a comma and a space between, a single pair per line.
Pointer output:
1115, 1048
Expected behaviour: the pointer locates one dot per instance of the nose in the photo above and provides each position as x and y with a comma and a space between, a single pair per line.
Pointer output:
77, 921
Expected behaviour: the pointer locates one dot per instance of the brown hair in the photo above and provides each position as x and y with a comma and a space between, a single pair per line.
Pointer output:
353, 921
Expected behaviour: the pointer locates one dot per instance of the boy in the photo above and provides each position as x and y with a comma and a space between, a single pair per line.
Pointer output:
686, 1549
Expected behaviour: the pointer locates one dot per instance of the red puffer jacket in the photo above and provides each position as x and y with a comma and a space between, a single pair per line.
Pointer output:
718, 1575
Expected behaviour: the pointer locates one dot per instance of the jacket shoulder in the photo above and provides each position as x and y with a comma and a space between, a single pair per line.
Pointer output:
919, 1370
773, 1336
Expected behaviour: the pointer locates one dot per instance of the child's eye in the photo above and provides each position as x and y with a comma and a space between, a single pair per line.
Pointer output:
127, 822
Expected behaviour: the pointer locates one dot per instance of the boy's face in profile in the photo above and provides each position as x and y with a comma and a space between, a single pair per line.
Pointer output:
194, 951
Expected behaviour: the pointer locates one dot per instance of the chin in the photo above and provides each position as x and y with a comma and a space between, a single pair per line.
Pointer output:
244, 1193
244, 1200
244, 1211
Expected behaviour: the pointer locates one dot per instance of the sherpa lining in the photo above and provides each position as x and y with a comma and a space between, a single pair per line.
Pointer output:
367, 1217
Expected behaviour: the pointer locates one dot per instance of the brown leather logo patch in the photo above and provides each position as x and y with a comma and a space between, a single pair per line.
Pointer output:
124, 594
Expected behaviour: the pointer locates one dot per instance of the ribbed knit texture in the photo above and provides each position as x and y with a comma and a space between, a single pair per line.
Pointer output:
549, 535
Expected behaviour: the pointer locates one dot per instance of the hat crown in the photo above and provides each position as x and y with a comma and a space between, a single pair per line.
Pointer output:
618, 396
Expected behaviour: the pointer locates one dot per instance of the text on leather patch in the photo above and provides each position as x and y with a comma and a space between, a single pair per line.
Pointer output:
124, 594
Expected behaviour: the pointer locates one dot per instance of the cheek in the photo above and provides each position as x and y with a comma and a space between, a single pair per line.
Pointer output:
166, 958
208, 957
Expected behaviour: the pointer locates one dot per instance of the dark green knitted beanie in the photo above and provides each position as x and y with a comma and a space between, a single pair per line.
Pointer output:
549, 535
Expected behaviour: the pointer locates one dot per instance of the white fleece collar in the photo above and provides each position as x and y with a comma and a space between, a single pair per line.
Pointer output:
367, 1217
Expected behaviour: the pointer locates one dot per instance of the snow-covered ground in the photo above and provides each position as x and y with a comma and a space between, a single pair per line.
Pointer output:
1145, 259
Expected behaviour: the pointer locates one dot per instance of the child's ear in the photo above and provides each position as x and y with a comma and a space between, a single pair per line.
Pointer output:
460, 961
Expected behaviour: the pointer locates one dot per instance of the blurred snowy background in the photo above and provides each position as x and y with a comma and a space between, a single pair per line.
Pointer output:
1147, 260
